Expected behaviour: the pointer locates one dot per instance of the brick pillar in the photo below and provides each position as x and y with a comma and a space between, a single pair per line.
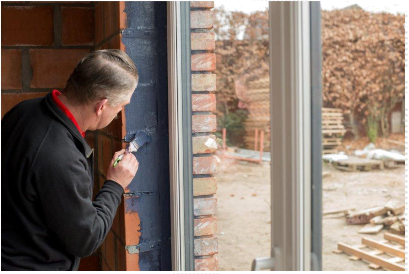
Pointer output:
204, 142
110, 20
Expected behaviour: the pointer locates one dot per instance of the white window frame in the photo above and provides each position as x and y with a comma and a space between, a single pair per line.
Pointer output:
290, 89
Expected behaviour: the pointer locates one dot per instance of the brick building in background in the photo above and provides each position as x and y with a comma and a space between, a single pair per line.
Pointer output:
41, 44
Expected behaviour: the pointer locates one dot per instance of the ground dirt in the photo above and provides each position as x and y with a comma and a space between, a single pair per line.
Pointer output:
243, 196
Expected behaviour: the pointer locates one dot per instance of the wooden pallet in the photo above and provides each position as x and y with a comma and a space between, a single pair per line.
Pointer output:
331, 141
396, 252
329, 151
355, 164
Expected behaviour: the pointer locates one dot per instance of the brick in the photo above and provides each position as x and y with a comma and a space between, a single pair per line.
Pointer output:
111, 18
204, 186
104, 153
132, 226
207, 264
11, 69
204, 206
204, 102
53, 67
110, 250
117, 146
90, 263
201, 19
99, 23
204, 144
116, 225
132, 261
114, 43
122, 15
27, 25
202, 4
90, 138
204, 165
203, 82
204, 123
121, 212
95, 188
101, 182
77, 26
9, 100
202, 41
105, 267
115, 127
203, 62
205, 246
121, 251
205, 226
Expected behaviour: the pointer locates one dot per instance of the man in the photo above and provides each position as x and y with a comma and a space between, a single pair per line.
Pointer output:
48, 218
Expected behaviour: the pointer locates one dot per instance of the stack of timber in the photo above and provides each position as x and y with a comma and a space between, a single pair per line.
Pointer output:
256, 96
258, 104
333, 129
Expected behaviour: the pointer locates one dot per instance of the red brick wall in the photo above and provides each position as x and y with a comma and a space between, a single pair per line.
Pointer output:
203, 127
41, 44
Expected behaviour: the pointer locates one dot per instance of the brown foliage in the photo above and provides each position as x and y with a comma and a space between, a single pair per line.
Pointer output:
363, 59
363, 65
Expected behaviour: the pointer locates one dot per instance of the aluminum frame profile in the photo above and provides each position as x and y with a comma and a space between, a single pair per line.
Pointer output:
180, 136
290, 112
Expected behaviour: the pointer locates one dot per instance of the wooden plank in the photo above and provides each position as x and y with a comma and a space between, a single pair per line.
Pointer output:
396, 260
374, 266
396, 142
345, 210
371, 229
376, 252
395, 206
354, 258
386, 248
337, 251
397, 228
370, 258
394, 238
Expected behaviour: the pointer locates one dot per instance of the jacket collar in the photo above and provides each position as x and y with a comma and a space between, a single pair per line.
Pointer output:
62, 117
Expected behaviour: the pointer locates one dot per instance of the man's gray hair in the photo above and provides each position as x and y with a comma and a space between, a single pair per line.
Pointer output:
109, 74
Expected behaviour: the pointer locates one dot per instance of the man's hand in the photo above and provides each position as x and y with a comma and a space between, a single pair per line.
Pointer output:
125, 170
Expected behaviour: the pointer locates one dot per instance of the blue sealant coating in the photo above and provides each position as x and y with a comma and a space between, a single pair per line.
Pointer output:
145, 42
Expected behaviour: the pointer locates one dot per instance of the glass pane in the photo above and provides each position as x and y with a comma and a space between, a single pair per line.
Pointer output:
243, 178
363, 127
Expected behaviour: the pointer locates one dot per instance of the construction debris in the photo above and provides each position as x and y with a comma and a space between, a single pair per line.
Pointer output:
377, 250
395, 207
386, 221
365, 216
371, 229
334, 157
337, 211
391, 158
355, 164
377, 218
398, 228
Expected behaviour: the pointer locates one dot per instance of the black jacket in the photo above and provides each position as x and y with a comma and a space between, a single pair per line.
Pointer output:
48, 218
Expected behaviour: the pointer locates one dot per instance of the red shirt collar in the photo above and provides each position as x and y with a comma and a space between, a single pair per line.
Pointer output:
64, 109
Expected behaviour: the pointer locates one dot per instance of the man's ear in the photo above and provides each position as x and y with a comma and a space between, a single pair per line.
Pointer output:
100, 106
